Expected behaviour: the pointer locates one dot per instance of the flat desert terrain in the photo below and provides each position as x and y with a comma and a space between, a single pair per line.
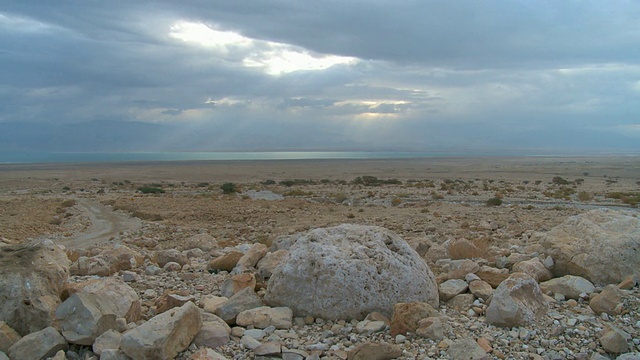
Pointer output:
493, 209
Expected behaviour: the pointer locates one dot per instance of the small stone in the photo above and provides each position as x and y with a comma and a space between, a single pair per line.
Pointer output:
249, 342
210, 303
607, 301
628, 283
8, 336
38, 345
406, 316
400, 339
467, 349
613, 339
110, 339
268, 349
431, 328
375, 351
451, 288
369, 327
172, 266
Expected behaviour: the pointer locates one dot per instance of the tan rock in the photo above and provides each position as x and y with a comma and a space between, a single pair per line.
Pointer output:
264, 316
207, 354
460, 268
485, 344
518, 301
492, 275
162, 257
406, 316
607, 301
269, 348
8, 336
251, 257
268, 263
213, 333
466, 349
461, 302
107, 262
225, 262
38, 345
480, 289
431, 328
570, 286
244, 299
171, 299
628, 283
463, 249
210, 303
451, 288
236, 283
204, 242
164, 335
375, 351
613, 339
110, 339
533, 267
123, 299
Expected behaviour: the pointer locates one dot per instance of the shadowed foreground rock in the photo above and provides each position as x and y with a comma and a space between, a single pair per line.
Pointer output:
348, 271
33, 275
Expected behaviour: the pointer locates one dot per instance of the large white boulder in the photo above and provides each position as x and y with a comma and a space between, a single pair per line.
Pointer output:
601, 245
349, 271
518, 301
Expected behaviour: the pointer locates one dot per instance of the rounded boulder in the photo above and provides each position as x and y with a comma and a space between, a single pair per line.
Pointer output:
349, 271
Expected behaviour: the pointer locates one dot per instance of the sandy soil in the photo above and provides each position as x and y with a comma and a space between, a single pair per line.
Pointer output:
435, 199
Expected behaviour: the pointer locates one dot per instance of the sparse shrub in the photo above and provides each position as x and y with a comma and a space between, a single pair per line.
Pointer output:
229, 188
268, 182
146, 216
202, 184
151, 190
69, 203
558, 180
350, 215
340, 197
494, 201
630, 198
396, 201
436, 196
66, 188
298, 193
585, 196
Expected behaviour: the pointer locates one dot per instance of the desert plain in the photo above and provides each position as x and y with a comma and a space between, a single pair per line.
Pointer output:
497, 205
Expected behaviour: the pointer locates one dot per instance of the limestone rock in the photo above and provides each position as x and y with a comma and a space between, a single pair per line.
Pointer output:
461, 302
210, 303
628, 283
458, 269
33, 276
225, 262
204, 242
113, 354
375, 351
171, 299
244, 299
570, 286
109, 261
613, 339
213, 333
84, 316
207, 354
170, 255
406, 316
466, 349
251, 257
236, 283
38, 345
533, 267
348, 271
264, 316
431, 328
270, 261
164, 335
492, 275
123, 300
463, 249
451, 288
518, 301
8, 336
480, 289
607, 301
600, 245
110, 339
269, 348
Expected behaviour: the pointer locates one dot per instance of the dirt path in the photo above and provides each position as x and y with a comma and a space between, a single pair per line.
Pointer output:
105, 225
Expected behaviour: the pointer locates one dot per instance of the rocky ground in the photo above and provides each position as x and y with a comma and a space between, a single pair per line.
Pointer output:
496, 216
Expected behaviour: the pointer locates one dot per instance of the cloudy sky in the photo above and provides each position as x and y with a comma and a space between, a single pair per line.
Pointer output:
374, 75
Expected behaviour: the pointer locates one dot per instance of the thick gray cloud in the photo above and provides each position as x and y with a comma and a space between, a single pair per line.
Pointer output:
207, 75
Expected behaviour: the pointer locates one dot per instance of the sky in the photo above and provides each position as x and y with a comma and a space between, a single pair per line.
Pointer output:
319, 75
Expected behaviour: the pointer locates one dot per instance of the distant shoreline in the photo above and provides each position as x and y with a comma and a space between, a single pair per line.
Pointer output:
17, 158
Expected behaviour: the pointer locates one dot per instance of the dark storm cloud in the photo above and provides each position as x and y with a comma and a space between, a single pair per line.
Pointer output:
422, 72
